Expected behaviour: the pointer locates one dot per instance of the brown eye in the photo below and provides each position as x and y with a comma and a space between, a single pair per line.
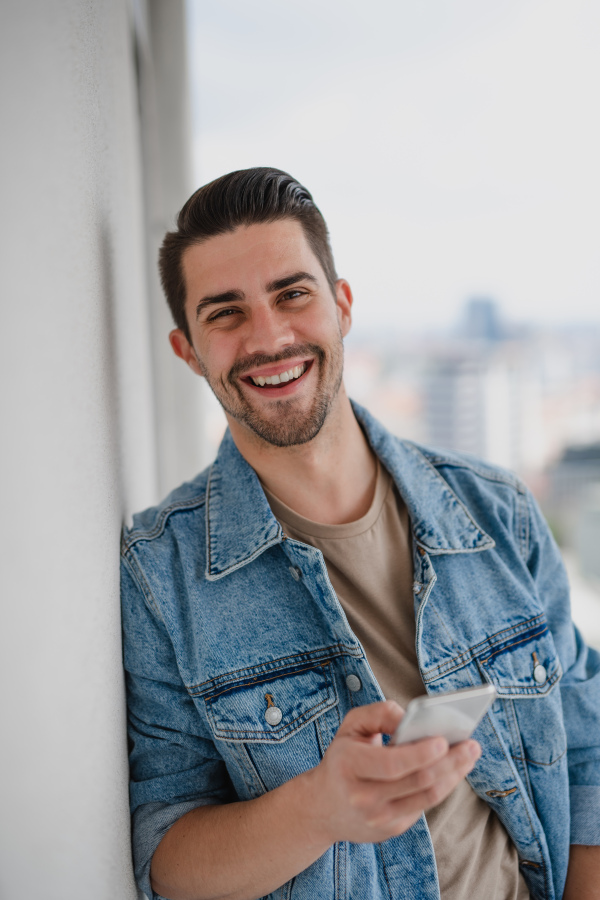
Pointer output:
221, 314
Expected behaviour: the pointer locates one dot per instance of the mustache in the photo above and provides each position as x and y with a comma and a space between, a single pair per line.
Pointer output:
247, 363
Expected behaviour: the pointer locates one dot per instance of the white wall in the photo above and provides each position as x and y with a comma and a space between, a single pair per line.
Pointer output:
79, 426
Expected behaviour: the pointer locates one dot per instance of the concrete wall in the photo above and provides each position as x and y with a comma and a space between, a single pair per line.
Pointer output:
79, 422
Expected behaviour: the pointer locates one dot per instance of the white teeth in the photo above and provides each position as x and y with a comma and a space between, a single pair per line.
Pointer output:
290, 375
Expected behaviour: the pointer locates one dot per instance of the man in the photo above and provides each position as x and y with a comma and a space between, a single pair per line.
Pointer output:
282, 608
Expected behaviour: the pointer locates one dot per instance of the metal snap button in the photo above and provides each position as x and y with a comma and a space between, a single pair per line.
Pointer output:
295, 573
353, 683
273, 715
539, 674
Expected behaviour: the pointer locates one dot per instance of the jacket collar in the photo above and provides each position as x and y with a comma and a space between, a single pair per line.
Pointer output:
441, 522
241, 526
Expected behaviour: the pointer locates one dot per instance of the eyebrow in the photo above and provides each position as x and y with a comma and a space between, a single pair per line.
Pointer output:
225, 297
237, 296
289, 280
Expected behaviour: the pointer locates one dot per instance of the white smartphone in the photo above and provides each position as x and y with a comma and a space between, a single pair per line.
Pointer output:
452, 715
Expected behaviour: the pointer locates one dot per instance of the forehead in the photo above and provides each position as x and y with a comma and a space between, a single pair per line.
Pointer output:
248, 258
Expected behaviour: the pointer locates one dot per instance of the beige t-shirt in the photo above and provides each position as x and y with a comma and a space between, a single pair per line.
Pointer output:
369, 563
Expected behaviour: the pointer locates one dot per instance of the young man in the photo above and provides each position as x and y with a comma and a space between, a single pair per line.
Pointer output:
282, 608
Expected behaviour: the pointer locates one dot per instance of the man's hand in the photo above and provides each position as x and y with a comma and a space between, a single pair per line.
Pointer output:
365, 792
361, 791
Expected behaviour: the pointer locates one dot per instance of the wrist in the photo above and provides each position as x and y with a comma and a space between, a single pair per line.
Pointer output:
314, 819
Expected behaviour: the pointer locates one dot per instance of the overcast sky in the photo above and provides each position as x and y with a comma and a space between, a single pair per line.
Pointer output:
452, 145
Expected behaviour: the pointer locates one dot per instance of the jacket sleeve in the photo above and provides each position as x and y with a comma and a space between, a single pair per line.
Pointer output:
580, 684
174, 766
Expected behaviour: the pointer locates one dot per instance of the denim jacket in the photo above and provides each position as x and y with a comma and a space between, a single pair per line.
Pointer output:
221, 609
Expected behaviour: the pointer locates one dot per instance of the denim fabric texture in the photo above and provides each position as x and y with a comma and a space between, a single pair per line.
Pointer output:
221, 610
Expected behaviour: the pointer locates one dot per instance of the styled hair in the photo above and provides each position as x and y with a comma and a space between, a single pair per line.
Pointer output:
245, 197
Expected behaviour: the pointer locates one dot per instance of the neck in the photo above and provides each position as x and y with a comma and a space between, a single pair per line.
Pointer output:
330, 479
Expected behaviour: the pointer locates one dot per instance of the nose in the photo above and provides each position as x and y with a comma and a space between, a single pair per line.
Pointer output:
269, 331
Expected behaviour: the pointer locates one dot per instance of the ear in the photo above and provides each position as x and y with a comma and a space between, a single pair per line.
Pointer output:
184, 350
344, 301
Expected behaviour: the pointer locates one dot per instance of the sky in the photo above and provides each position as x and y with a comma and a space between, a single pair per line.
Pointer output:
451, 145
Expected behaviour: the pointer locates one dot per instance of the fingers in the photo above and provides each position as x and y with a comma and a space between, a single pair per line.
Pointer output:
392, 816
375, 718
394, 762
426, 787
387, 809
457, 763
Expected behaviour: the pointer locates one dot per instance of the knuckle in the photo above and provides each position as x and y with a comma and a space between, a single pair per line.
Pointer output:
435, 794
425, 779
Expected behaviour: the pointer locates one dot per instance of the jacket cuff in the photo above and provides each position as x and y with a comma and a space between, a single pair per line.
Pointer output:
150, 824
585, 814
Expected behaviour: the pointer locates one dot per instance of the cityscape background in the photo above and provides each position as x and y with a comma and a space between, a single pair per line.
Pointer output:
453, 154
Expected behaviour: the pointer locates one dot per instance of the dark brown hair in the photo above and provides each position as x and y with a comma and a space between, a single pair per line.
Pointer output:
246, 197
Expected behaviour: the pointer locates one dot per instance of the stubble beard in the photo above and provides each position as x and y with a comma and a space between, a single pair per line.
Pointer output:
287, 426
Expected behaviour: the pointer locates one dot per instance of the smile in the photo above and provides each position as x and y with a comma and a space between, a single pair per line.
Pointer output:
281, 378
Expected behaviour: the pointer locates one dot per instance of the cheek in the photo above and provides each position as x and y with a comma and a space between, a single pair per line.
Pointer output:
216, 355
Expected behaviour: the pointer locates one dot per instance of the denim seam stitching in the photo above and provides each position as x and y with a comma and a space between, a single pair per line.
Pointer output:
439, 461
471, 654
516, 738
232, 687
532, 691
385, 875
157, 530
523, 640
341, 651
536, 762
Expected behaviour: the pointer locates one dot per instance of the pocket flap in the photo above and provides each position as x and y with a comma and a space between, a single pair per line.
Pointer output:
272, 706
523, 664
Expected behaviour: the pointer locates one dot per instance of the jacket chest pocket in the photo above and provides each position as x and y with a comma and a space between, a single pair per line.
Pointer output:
525, 670
278, 723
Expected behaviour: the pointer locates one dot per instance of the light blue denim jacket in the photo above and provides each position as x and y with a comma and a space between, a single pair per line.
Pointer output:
220, 609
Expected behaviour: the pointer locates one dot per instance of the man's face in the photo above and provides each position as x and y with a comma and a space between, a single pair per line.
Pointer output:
266, 329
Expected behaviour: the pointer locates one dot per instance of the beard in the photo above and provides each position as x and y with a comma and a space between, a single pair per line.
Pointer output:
286, 425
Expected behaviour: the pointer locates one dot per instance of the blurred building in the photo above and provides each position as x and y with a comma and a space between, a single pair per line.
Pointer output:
588, 533
482, 321
571, 496
512, 395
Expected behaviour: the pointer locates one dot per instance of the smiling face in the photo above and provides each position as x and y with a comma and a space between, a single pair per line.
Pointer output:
266, 330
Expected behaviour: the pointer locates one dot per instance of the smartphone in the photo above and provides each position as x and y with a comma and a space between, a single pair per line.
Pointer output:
453, 715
